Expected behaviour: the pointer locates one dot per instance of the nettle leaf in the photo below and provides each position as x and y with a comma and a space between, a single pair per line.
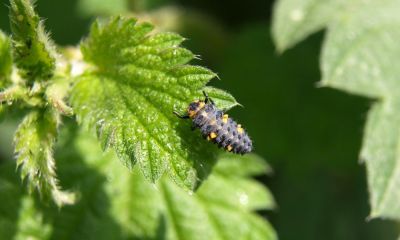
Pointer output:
220, 209
294, 20
368, 65
34, 140
360, 56
34, 53
31, 223
10, 193
102, 7
138, 80
120, 204
5, 59
19, 218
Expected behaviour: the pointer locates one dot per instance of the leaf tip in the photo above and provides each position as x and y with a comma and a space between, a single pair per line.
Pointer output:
322, 83
279, 48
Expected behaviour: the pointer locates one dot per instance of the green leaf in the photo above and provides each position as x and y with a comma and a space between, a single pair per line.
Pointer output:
360, 56
19, 218
294, 20
137, 82
5, 60
89, 217
33, 51
119, 204
2, 112
10, 193
368, 65
34, 142
102, 7
220, 209
31, 224
222, 99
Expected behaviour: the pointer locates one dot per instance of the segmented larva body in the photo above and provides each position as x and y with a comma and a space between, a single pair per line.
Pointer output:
218, 127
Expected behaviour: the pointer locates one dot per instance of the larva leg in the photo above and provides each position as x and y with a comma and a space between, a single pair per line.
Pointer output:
207, 98
179, 115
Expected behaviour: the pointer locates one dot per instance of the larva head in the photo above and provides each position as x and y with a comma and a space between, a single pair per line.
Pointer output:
195, 107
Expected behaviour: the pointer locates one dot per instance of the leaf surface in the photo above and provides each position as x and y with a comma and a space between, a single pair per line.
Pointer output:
19, 218
360, 56
137, 82
220, 209
119, 204
102, 7
294, 20
5, 59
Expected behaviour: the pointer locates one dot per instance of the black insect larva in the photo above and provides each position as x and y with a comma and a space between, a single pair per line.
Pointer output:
217, 126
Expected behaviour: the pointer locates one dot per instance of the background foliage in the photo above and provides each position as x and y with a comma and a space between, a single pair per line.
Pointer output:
359, 56
311, 136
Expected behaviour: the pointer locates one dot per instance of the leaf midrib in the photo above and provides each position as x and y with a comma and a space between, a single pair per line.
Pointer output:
169, 205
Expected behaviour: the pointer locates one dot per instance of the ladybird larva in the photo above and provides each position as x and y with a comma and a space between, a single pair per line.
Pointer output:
216, 126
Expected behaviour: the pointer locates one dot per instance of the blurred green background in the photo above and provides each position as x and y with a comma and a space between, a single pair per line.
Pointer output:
311, 136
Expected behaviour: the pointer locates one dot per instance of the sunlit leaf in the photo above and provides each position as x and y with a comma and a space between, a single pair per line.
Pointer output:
138, 80
19, 218
119, 204
294, 20
360, 56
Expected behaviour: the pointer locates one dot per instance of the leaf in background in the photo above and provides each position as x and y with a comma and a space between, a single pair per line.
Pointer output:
34, 142
31, 224
33, 51
138, 81
361, 56
220, 209
10, 192
119, 204
294, 20
102, 7
19, 218
94, 8
5, 59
